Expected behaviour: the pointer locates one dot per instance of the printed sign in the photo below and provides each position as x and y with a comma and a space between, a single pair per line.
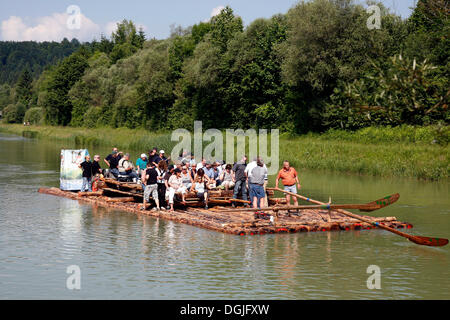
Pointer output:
71, 175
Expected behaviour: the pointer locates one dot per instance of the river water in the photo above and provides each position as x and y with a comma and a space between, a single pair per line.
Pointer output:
125, 256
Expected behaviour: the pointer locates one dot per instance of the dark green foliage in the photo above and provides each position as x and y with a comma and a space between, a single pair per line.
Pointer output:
57, 106
23, 87
406, 92
5, 95
33, 115
34, 56
316, 67
126, 40
14, 113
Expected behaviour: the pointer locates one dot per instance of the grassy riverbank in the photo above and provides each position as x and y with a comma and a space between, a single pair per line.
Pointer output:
421, 153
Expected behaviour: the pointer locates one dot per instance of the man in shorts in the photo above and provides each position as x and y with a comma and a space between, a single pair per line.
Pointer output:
151, 186
289, 178
256, 184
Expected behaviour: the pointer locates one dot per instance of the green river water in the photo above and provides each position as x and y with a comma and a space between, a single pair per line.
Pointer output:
125, 256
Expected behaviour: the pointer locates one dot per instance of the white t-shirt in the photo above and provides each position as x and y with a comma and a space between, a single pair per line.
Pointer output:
175, 182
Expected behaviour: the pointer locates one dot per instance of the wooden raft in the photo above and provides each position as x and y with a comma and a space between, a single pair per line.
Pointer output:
220, 218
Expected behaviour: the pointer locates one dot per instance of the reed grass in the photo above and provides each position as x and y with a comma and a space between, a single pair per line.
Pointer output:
420, 153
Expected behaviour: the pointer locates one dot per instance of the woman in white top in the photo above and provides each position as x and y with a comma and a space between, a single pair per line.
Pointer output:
227, 177
200, 186
176, 187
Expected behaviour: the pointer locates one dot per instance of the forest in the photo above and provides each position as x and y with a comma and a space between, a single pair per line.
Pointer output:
316, 67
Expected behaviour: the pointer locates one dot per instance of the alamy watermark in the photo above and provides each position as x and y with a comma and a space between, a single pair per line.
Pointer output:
374, 21
73, 281
374, 281
74, 20
236, 139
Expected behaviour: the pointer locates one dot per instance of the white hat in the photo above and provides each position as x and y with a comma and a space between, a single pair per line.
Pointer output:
161, 151
143, 155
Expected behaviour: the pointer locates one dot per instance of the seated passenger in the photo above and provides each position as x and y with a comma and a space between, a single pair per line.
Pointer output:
186, 177
200, 186
176, 186
126, 168
227, 178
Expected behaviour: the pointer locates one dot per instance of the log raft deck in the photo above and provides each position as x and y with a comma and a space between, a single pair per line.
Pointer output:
219, 217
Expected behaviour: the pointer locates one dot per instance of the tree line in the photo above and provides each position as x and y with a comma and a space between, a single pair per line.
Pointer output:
316, 67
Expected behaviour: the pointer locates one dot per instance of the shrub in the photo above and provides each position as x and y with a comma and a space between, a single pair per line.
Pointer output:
14, 113
33, 115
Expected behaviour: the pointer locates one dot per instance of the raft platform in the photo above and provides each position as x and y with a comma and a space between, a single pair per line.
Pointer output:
226, 219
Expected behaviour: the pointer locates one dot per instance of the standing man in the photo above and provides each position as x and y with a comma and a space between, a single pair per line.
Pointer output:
162, 157
151, 186
240, 179
256, 183
289, 178
96, 168
112, 161
153, 156
86, 166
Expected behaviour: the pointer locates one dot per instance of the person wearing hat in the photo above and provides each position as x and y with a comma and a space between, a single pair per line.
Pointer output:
112, 161
162, 157
176, 186
141, 163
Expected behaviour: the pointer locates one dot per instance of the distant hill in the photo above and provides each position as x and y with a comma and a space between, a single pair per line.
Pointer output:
16, 56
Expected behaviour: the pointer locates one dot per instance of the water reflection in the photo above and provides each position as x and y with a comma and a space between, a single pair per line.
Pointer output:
123, 255
71, 218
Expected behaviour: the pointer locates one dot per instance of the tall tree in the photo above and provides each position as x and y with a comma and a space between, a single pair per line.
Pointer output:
57, 105
24, 87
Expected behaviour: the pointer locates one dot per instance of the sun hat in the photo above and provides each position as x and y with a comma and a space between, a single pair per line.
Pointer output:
143, 155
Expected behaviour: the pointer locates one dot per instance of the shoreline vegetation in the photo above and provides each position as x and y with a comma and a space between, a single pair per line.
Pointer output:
405, 151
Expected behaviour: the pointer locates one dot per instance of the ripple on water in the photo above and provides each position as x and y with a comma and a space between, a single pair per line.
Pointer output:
125, 256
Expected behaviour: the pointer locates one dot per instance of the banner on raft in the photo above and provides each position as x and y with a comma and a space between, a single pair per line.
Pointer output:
71, 178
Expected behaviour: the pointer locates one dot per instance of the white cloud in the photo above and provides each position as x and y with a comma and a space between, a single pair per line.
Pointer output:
216, 11
49, 28
110, 28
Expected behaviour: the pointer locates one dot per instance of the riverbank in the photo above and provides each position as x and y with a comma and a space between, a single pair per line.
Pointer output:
420, 153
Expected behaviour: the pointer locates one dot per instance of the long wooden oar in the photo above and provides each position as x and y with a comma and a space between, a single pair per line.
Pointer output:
425, 241
367, 207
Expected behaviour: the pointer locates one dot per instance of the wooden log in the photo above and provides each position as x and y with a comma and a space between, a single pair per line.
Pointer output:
127, 185
275, 201
219, 218
240, 201
115, 191
90, 194
121, 199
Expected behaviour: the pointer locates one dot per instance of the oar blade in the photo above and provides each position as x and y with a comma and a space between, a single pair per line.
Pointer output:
381, 203
428, 241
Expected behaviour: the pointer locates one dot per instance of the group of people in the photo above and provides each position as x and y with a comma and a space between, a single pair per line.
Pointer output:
163, 178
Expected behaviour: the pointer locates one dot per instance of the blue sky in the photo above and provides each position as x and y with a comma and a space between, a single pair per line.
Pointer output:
46, 20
